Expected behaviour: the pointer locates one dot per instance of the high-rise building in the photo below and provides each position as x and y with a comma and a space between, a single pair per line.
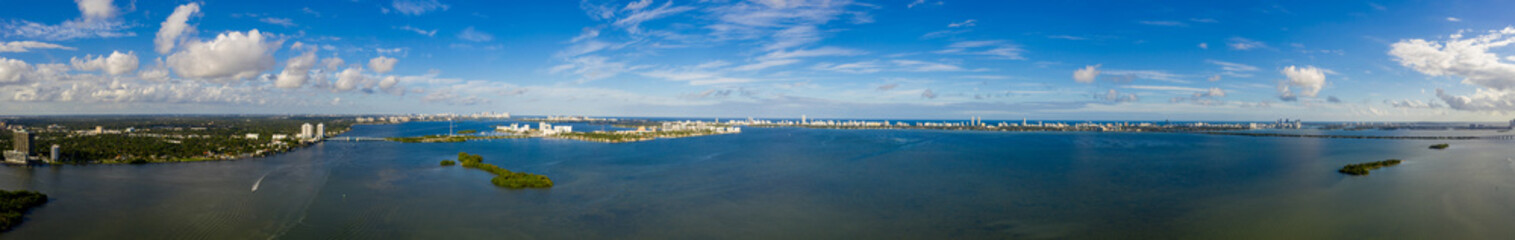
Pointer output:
320, 131
54, 154
23, 142
307, 131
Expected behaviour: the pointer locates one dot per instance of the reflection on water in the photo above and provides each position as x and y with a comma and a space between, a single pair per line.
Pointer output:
797, 183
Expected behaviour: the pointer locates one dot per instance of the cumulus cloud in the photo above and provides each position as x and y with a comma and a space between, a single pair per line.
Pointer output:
25, 46
97, 9
1407, 103
1472, 59
296, 71
1115, 96
231, 56
382, 64
1086, 74
116, 63
1309, 79
349, 79
417, 7
11, 70
176, 25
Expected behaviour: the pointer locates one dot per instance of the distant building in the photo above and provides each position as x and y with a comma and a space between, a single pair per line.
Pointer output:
56, 151
21, 147
1512, 124
22, 141
307, 131
277, 137
99, 129
320, 131
252, 136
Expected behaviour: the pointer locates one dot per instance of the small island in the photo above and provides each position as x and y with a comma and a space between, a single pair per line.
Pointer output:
448, 163
1361, 169
447, 138
503, 178
14, 204
1440, 146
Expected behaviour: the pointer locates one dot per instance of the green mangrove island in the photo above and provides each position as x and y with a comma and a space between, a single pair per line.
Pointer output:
503, 178
1363, 168
14, 204
1440, 146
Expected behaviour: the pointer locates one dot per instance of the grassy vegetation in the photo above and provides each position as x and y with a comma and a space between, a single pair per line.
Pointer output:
1440, 146
503, 178
468, 131
13, 204
1363, 168
448, 163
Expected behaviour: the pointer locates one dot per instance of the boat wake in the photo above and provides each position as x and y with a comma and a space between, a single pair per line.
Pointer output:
260, 181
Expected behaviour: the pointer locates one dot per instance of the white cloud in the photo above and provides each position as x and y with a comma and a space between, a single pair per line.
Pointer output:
332, 63
278, 21
818, 52
1233, 69
25, 46
1453, 19
12, 70
428, 33
349, 79
632, 22
696, 78
176, 25
1114, 96
928, 94
472, 34
1407, 103
1309, 78
232, 55
97, 9
764, 64
417, 7
1204, 46
1469, 58
590, 68
968, 23
1086, 74
1165, 88
296, 71
1239, 43
116, 63
922, 66
98, 19
871, 66
994, 48
382, 64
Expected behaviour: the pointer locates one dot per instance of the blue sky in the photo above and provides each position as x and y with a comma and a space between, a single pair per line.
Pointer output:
1098, 60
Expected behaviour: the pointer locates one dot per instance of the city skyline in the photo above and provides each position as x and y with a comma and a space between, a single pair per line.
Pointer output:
910, 59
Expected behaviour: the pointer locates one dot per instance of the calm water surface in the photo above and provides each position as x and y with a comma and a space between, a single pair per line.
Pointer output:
783, 183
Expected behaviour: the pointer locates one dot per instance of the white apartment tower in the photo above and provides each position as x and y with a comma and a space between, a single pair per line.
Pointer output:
320, 131
307, 131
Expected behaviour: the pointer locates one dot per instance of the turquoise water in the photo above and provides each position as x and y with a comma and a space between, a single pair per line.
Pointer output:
783, 183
